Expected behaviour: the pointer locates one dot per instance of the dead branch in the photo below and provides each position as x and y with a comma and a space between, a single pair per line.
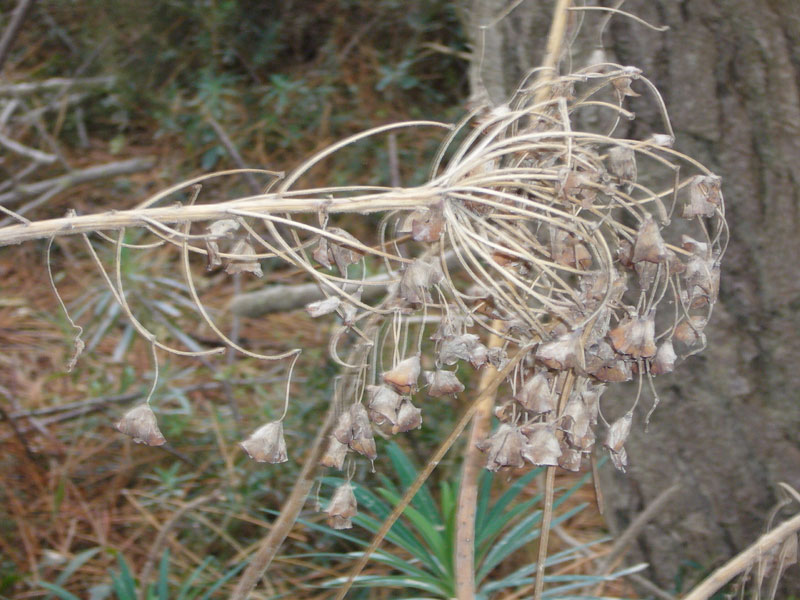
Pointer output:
114, 169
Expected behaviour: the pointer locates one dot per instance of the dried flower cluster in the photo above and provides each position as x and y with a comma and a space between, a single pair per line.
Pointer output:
598, 256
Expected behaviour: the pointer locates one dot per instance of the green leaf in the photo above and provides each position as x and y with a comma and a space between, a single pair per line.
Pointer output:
222, 581
163, 576
187, 585
76, 563
58, 591
408, 473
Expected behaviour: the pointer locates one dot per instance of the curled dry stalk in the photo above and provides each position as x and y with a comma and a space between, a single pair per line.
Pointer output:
530, 231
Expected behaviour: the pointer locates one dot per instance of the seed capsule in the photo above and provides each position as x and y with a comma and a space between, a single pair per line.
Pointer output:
266, 444
404, 376
140, 423
342, 508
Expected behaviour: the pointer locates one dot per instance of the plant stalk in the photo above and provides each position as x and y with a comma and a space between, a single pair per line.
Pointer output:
468, 487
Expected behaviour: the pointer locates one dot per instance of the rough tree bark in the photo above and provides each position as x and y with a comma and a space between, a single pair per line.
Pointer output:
728, 427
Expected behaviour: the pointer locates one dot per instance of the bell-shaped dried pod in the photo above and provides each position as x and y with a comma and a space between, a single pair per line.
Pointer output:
619, 431
649, 245
224, 228
605, 365
568, 250
266, 444
323, 307
701, 278
619, 459
417, 279
497, 357
705, 194
624, 253
591, 400
443, 383
408, 417
403, 377
542, 447
690, 331
575, 420
463, 347
323, 254
246, 261
451, 325
343, 430
140, 423
566, 352
536, 395
362, 440
664, 361
585, 443
427, 226
622, 86
504, 448
383, 404
335, 454
505, 411
635, 336
342, 508
344, 255
570, 459
622, 164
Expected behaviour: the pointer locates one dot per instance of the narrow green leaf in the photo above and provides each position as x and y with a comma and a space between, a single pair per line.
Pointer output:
187, 585
163, 576
407, 473
58, 591
76, 563
222, 581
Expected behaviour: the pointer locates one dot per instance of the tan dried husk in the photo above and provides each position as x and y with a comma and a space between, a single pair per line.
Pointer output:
140, 423
267, 444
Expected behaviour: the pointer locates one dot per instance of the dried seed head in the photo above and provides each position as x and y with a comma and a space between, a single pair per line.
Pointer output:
246, 263
619, 431
705, 194
323, 307
564, 353
567, 250
342, 508
575, 420
690, 331
619, 459
344, 255
701, 279
335, 454
664, 361
266, 444
322, 253
403, 377
361, 438
622, 86
408, 417
570, 459
542, 447
504, 448
463, 347
635, 336
622, 164
343, 431
218, 230
383, 404
605, 365
140, 423
443, 383
427, 227
417, 279
649, 245
536, 395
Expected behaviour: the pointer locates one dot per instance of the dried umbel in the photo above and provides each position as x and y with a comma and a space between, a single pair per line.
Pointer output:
267, 444
140, 423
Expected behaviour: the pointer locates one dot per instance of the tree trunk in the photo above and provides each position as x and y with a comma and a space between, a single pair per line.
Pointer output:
728, 426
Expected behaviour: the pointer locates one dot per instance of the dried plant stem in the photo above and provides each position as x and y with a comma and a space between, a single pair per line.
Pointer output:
266, 204
547, 509
744, 559
496, 381
468, 488
555, 41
